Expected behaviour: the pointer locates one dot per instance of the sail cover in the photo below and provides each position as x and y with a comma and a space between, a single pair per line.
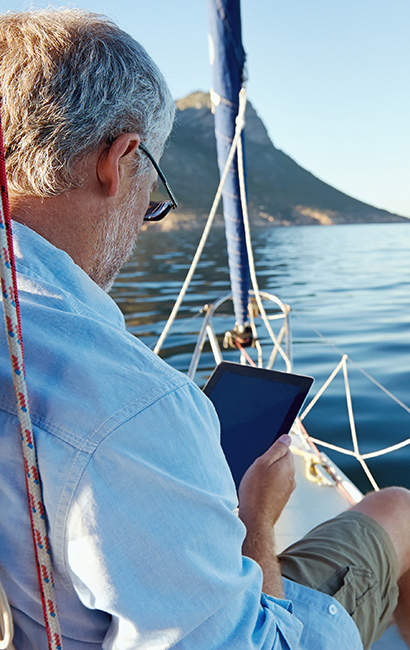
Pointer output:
227, 59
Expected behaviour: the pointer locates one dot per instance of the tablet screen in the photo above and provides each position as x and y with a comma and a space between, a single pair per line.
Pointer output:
255, 406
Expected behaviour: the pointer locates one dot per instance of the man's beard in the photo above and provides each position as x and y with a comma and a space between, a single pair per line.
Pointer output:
117, 237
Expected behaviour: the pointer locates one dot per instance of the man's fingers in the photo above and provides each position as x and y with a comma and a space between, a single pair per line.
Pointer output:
279, 449
286, 439
267, 485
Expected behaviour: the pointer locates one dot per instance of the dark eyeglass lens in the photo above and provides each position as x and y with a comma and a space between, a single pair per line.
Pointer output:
157, 210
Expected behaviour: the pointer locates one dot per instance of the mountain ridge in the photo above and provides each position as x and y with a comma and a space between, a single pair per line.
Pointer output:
280, 192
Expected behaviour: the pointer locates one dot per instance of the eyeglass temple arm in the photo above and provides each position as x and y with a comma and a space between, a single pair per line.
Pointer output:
160, 174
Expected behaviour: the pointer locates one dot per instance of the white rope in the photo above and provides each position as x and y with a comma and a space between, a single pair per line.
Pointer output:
387, 450
236, 146
328, 445
356, 451
240, 123
248, 241
350, 410
323, 388
255, 336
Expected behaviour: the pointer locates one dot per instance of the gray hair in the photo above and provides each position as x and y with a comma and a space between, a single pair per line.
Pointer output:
71, 82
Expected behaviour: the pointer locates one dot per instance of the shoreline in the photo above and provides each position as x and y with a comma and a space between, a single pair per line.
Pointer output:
188, 220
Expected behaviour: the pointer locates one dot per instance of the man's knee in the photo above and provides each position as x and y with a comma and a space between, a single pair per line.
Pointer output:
389, 503
391, 509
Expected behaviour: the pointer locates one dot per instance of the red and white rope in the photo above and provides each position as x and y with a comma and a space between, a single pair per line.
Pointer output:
15, 343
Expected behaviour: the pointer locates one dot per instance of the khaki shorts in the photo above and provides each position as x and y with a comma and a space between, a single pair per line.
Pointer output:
352, 559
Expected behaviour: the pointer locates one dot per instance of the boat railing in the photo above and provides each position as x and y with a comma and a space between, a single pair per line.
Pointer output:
282, 316
207, 330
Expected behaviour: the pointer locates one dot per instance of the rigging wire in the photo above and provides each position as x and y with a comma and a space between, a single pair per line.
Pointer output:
359, 368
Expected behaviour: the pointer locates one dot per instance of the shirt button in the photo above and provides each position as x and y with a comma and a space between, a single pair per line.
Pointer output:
332, 610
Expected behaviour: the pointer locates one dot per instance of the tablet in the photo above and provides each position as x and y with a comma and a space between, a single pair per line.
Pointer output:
255, 406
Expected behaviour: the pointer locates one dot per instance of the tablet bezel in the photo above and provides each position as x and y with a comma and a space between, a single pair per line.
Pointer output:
302, 382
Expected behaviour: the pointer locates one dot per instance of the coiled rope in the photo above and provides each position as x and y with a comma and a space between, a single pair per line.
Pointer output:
15, 343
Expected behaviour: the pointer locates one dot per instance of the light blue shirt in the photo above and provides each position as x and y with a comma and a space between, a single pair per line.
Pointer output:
146, 547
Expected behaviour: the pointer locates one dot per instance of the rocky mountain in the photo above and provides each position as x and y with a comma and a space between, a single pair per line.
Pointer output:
280, 192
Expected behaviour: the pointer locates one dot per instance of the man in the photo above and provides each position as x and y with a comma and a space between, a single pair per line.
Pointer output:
146, 548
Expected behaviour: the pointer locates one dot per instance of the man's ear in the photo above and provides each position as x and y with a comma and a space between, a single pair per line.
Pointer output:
113, 161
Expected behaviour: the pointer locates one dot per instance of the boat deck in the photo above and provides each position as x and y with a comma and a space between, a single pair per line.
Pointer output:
312, 502
309, 505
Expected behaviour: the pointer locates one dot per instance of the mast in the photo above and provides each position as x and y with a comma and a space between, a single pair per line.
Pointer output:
227, 60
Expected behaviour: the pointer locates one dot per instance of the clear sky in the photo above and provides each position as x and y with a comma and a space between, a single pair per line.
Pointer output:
330, 79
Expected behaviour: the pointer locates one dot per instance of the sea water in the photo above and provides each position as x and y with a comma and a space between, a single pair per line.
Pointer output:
351, 283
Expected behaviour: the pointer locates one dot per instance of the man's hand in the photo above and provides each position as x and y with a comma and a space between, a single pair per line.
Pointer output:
263, 493
267, 485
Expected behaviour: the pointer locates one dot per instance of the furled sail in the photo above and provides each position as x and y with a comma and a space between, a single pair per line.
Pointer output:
227, 59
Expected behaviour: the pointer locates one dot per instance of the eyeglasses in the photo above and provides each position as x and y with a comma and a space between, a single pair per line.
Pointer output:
157, 210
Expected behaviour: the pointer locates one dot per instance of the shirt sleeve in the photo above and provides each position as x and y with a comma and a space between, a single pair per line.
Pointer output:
152, 538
